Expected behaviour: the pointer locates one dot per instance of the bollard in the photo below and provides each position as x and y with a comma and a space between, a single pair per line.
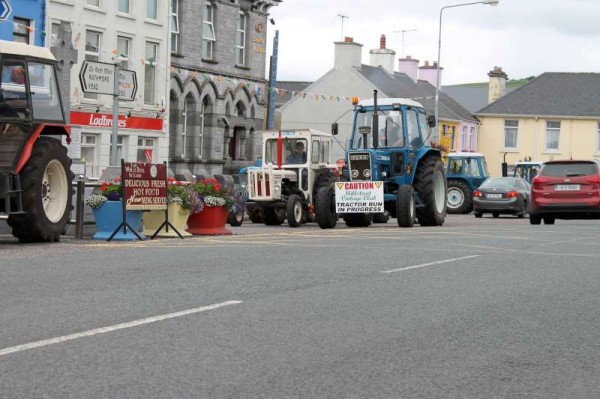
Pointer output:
79, 210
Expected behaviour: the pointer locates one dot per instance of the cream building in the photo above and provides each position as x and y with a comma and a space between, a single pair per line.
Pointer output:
555, 116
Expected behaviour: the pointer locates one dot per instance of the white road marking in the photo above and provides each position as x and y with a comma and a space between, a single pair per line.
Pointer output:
439, 262
102, 330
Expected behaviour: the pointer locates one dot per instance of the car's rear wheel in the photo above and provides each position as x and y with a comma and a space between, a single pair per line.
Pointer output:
548, 220
534, 219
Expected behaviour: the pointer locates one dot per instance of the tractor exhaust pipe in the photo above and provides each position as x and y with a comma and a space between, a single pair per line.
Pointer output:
375, 121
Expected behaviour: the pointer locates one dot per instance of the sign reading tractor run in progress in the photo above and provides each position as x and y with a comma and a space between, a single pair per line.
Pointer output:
145, 186
359, 197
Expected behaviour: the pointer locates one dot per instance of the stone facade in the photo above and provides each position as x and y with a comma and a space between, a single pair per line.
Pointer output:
217, 106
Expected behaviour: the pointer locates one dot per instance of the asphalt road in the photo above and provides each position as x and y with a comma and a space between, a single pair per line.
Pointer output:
480, 308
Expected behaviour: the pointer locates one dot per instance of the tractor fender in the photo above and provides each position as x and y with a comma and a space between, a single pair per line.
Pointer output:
42, 129
421, 154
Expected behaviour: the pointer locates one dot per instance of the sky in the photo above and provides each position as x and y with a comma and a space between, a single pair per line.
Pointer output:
524, 37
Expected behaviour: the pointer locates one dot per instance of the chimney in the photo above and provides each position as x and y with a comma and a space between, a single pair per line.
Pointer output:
497, 85
409, 66
429, 73
382, 56
347, 54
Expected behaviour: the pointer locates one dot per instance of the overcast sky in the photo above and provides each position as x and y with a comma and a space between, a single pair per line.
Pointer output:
524, 37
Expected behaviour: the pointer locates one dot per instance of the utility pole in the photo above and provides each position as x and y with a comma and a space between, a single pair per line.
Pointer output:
342, 17
403, 32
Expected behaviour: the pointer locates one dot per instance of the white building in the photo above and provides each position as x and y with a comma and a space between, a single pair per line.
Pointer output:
139, 32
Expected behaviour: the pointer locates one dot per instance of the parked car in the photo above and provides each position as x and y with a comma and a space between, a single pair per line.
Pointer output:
565, 190
507, 195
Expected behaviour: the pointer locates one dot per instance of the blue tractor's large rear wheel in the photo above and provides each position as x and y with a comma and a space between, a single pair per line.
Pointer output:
430, 184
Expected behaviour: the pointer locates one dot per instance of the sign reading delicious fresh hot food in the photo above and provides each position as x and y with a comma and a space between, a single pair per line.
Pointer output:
359, 197
145, 186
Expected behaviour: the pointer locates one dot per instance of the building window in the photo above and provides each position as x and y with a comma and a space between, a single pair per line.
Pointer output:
123, 47
511, 130
150, 72
145, 150
152, 9
472, 139
89, 154
453, 137
175, 26
22, 30
552, 135
123, 6
240, 41
208, 32
120, 153
92, 51
93, 3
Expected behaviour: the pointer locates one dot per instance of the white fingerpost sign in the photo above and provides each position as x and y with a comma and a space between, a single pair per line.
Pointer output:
359, 197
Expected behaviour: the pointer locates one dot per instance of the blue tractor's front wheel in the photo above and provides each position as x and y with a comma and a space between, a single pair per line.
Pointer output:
430, 184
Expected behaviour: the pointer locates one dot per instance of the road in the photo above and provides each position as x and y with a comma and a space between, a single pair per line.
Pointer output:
480, 308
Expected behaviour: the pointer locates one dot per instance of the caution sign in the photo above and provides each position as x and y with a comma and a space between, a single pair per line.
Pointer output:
359, 197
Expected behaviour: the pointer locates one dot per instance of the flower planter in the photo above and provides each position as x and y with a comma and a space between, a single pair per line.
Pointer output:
178, 216
110, 215
211, 221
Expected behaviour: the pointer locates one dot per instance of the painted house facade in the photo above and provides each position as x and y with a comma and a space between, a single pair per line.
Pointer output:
25, 22
555, 116
136, 35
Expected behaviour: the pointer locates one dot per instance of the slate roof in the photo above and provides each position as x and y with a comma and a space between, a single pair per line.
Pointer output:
289, 87
552, 94
400, 85
472, 96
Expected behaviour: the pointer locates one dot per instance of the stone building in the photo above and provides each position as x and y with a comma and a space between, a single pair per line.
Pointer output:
217, 101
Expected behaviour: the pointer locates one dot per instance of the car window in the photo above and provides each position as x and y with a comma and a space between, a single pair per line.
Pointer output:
500, 183
568, 169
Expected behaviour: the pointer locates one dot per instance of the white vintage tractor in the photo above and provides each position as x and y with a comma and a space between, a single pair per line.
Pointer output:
295, 165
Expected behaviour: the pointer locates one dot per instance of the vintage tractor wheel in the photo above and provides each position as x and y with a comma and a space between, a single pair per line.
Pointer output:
294, 210
381, 217
46, 184
460, 197
357, 219
430, 184
255, 214
405, 206
274, 216
236, 219
325, 207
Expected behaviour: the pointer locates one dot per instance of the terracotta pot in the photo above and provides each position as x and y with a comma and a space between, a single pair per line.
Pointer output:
211, 221
177, 216
110, 215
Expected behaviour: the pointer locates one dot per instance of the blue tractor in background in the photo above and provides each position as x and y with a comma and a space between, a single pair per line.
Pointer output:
390, 142
465, 171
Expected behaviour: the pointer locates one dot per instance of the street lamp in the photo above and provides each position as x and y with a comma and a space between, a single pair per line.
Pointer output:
437, 86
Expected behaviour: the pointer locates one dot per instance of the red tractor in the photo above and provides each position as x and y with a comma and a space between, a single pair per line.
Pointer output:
35, 174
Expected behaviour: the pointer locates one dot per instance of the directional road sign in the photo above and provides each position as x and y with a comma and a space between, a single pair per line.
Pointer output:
99, 78
4, 9
127, 85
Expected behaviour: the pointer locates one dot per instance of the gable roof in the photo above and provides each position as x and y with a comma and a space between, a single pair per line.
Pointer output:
473, 96
552, 94
400, 85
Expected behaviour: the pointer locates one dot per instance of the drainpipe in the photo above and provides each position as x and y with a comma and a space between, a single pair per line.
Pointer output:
535, 141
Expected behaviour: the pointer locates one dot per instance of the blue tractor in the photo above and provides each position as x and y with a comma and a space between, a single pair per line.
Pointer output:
465, 172
390, 142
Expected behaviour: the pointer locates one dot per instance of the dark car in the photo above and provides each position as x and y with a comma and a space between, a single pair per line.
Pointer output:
496, 195
565, 190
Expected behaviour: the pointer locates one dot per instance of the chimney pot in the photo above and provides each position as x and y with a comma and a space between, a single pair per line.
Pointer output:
348, 39
382, 42
426, 63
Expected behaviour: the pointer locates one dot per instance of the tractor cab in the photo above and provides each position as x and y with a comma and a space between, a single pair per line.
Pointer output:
465, 171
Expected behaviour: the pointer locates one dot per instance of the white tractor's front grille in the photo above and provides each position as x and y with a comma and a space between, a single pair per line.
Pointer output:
259, 184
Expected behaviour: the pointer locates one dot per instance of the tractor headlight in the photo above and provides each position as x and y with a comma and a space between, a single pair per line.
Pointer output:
367, 173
